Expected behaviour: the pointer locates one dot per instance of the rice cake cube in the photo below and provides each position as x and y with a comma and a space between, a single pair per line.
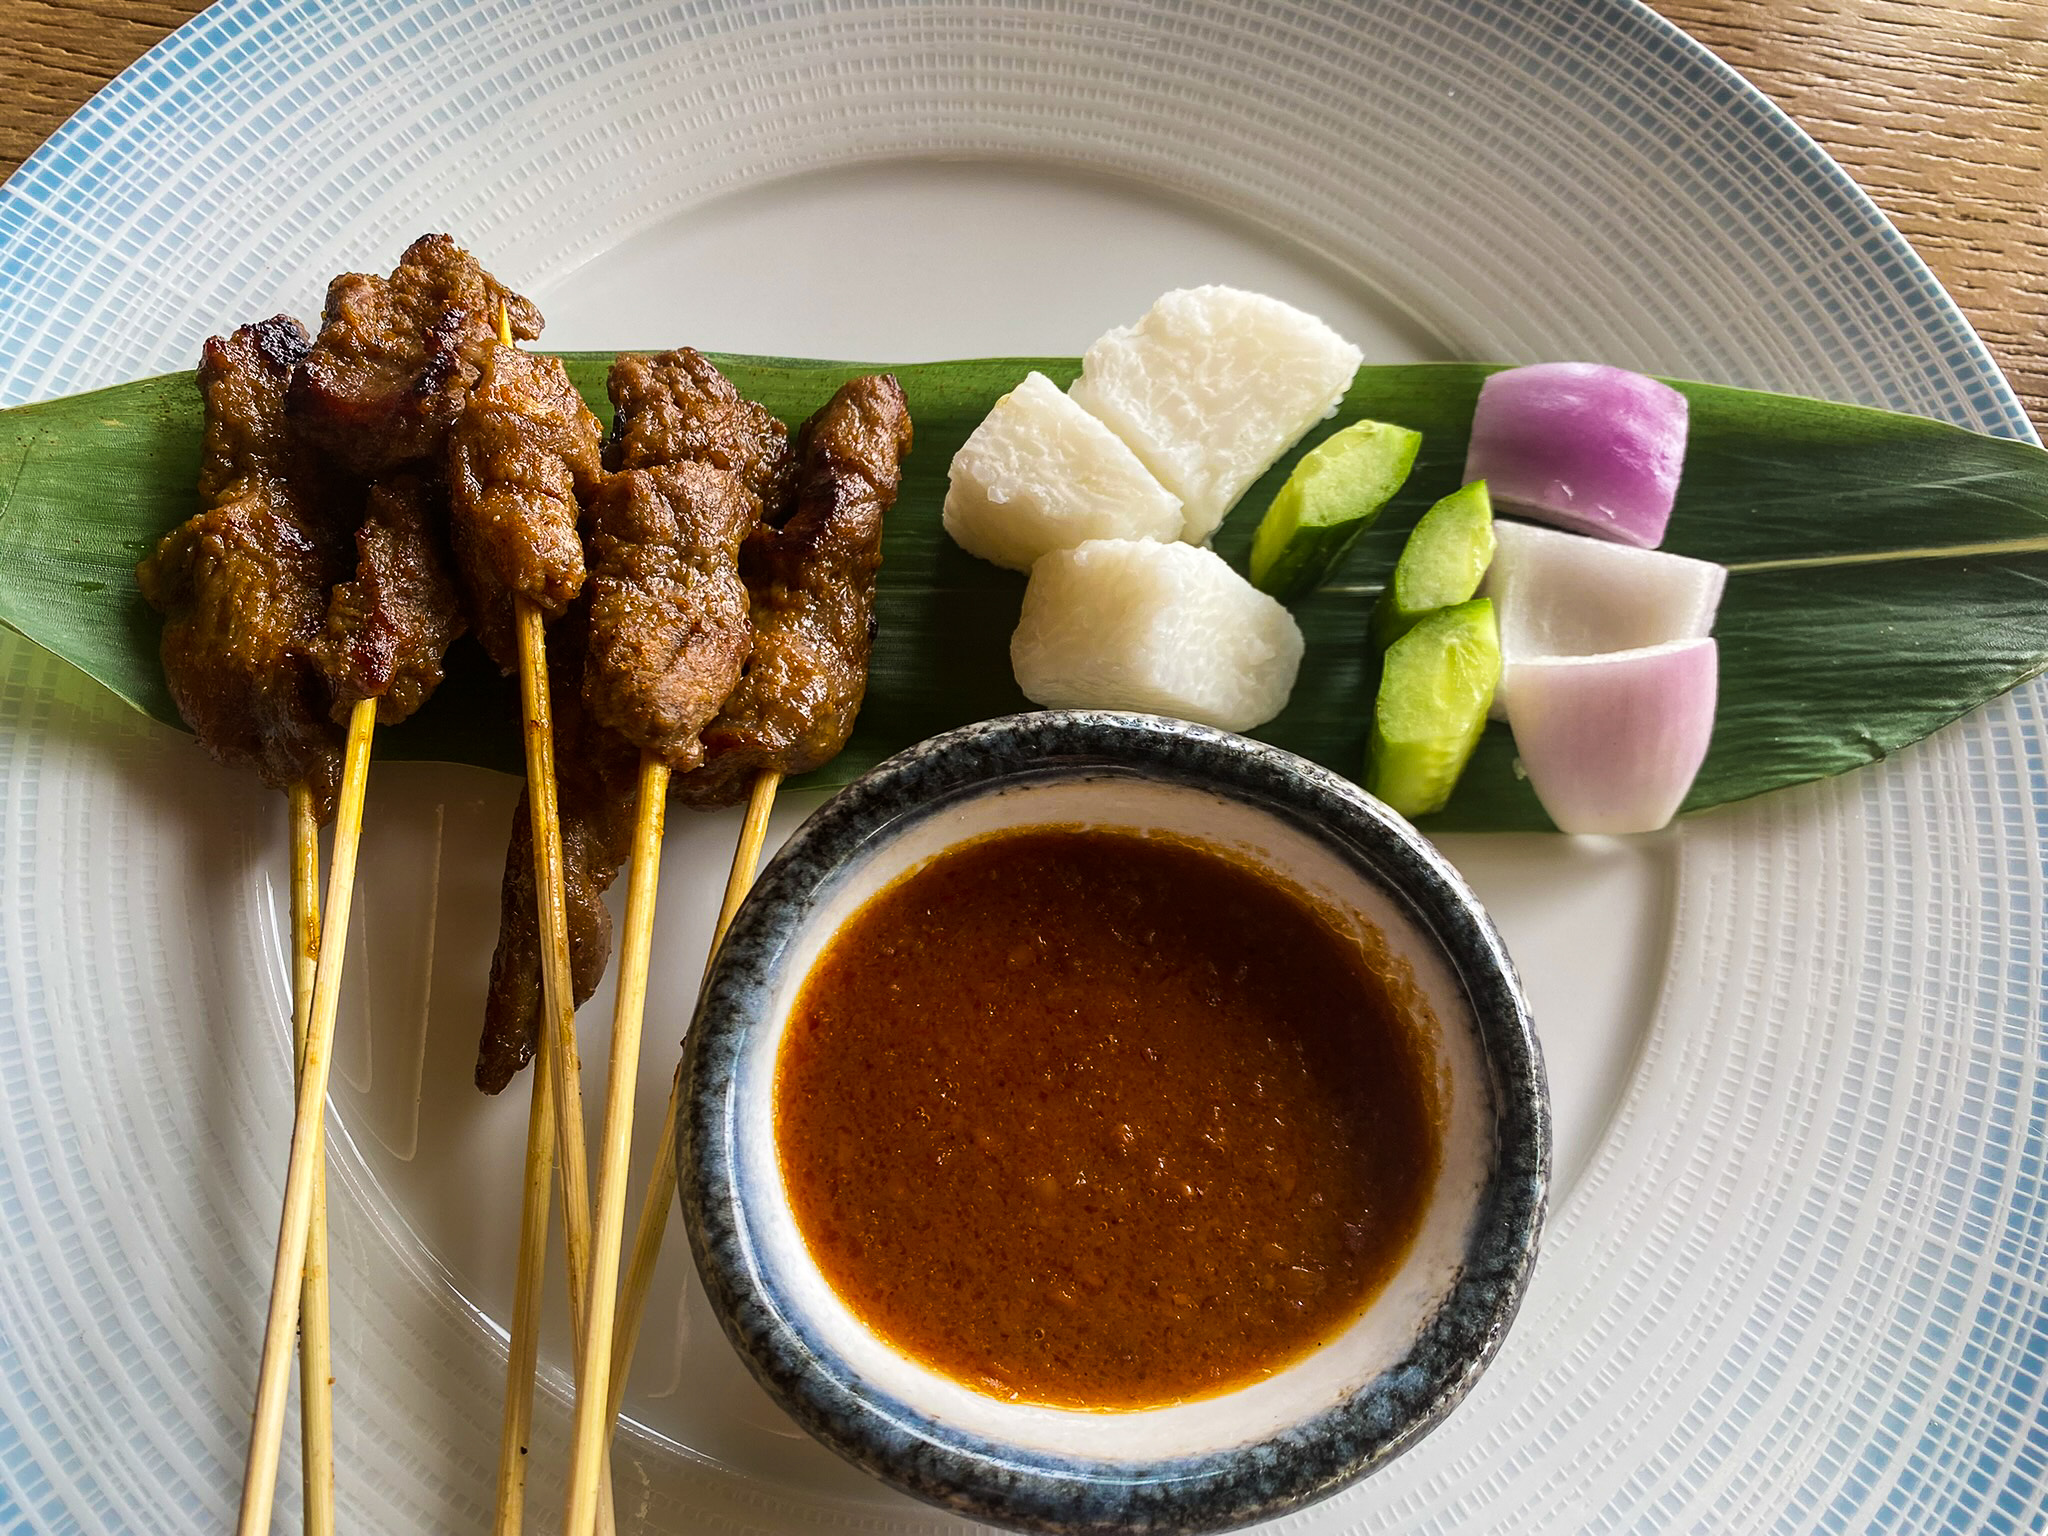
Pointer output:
1211, 387
1164, 629
1041, 474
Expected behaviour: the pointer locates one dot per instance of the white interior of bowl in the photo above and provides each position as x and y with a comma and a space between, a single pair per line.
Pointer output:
1374, 1342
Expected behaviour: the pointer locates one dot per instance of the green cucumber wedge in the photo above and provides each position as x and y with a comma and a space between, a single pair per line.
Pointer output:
1442, 563
1331, 498
1435, 689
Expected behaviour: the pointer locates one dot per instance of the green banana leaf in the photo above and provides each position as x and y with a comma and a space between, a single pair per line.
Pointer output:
1888, 573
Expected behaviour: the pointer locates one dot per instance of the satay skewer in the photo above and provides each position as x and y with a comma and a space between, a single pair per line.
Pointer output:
273, 1373
652, 1227
554, 1129
559, 1063
809, 614
316, 1367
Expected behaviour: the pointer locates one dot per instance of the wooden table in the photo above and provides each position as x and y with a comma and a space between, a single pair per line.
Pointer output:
1939, 108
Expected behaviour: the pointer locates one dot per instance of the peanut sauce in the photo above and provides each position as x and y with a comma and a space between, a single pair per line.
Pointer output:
1097, 1120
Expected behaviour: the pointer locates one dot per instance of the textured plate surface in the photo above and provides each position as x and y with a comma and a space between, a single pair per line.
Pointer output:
1795, 1276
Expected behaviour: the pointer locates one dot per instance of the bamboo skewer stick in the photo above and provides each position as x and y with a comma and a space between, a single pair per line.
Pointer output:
523, 1358
560, 1065
648, 1233
516, 1425
558, 1024
266, 1434
587, 1454
559, 1056
316, 1366
516, 1429
661, 1184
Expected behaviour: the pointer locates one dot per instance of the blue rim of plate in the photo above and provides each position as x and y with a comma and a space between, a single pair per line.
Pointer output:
60, 180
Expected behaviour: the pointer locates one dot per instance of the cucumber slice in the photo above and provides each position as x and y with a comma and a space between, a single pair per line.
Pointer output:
1331, 498
1434, 693
1442, 563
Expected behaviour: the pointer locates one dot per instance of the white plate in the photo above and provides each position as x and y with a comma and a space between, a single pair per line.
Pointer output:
1795, 1273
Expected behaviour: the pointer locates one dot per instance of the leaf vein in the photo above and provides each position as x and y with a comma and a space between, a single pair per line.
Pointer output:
7, 502
2035, 545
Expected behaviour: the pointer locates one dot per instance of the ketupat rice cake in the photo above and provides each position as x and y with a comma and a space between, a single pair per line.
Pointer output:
1041, 474
1211, 387
1166, 629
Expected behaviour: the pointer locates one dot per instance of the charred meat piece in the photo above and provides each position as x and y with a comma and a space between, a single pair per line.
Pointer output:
389, 627
243, 585
597, 773
678, 408
519, 458
642, 662
241, 589
397, 356
242, 383
669, 629
812, 583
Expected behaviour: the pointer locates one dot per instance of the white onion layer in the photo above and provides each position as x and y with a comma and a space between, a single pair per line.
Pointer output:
1561, 594
1612, 743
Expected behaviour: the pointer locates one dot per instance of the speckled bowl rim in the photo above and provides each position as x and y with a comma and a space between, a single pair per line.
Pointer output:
1032, 1489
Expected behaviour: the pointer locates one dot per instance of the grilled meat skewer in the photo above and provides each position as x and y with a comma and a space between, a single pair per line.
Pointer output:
522, 459
397, 356
812, 581
810, 587
243, 586
851, 454
390, 625
656, 647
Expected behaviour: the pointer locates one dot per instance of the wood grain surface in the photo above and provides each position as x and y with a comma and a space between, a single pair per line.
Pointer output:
1938, 107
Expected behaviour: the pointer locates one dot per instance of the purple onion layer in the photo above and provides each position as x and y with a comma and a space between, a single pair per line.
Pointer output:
1591, 448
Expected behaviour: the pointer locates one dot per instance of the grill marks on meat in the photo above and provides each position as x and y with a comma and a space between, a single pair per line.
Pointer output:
519, 457
669, 621
243, 585
597, 772
242, 380
396, 357
678, 408
393, 368
669, 629
522, 458
389, 627
812, 582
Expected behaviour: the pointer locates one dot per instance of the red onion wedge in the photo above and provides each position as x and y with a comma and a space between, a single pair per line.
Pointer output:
1557, 594
1612, 743
1582, 445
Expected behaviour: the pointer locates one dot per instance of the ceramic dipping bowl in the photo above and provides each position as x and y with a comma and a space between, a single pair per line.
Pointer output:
1210, 1464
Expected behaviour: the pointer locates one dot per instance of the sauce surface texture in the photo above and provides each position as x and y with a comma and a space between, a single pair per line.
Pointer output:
1089, 1119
